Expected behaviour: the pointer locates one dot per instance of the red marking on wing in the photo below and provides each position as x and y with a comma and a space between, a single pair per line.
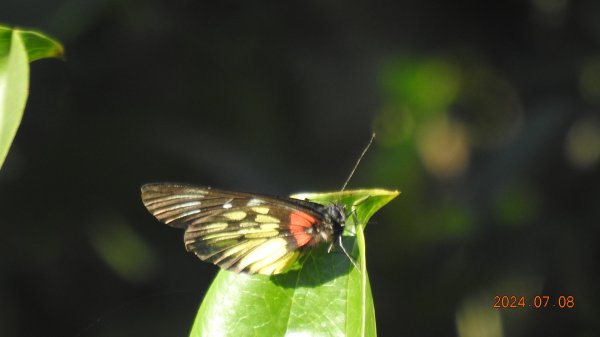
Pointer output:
299, 223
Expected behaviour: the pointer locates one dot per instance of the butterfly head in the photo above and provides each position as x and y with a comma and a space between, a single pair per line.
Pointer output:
335, 219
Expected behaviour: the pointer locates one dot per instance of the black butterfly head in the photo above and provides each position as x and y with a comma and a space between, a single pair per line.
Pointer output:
335, 216
334, 219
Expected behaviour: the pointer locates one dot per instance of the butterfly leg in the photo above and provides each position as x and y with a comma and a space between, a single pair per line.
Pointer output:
348, 255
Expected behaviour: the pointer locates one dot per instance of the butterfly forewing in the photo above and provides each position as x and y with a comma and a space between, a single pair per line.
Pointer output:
236, 231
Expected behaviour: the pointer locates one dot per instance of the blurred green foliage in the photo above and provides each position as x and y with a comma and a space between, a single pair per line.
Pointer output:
123, 250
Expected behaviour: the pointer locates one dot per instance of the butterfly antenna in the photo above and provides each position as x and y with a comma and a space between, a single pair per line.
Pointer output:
358, 162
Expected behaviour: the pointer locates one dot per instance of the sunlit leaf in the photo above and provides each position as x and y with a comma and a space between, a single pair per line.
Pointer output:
17, 49
327, 296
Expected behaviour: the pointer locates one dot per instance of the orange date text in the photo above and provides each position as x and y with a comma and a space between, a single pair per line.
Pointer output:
536, 302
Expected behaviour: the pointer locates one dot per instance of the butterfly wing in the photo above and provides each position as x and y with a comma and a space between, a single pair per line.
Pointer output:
236, 231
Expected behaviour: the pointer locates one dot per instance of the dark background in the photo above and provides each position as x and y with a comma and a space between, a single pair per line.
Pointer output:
488, 121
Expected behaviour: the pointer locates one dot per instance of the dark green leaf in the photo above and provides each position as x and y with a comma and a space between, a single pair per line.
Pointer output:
39, 46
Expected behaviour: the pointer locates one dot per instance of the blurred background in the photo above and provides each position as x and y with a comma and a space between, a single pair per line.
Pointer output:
488, 121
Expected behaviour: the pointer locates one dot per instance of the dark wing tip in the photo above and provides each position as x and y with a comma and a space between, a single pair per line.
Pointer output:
165, 188
147, 187
171, 203
156, 186
152, 189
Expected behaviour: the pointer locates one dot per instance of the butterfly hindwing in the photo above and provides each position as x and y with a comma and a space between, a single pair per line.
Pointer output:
236, 231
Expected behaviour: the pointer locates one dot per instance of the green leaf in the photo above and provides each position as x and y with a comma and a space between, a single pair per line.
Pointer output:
39, 46
17, 49
326, 296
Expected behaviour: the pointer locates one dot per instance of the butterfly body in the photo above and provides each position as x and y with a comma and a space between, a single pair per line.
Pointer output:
252, 233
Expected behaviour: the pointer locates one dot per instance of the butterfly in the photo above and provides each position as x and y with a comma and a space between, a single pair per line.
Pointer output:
243, 232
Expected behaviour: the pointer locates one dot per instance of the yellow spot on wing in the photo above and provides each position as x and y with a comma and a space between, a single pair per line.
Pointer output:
215, 225
235, 215
269, 226
266, 218
269, 251
238, 249
210, 227
247, 224
280, 265
221, 236
251, 230
261, 234
255, 202
261, 210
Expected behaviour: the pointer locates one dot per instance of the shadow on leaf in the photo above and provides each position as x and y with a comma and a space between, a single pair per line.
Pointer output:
319, 267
